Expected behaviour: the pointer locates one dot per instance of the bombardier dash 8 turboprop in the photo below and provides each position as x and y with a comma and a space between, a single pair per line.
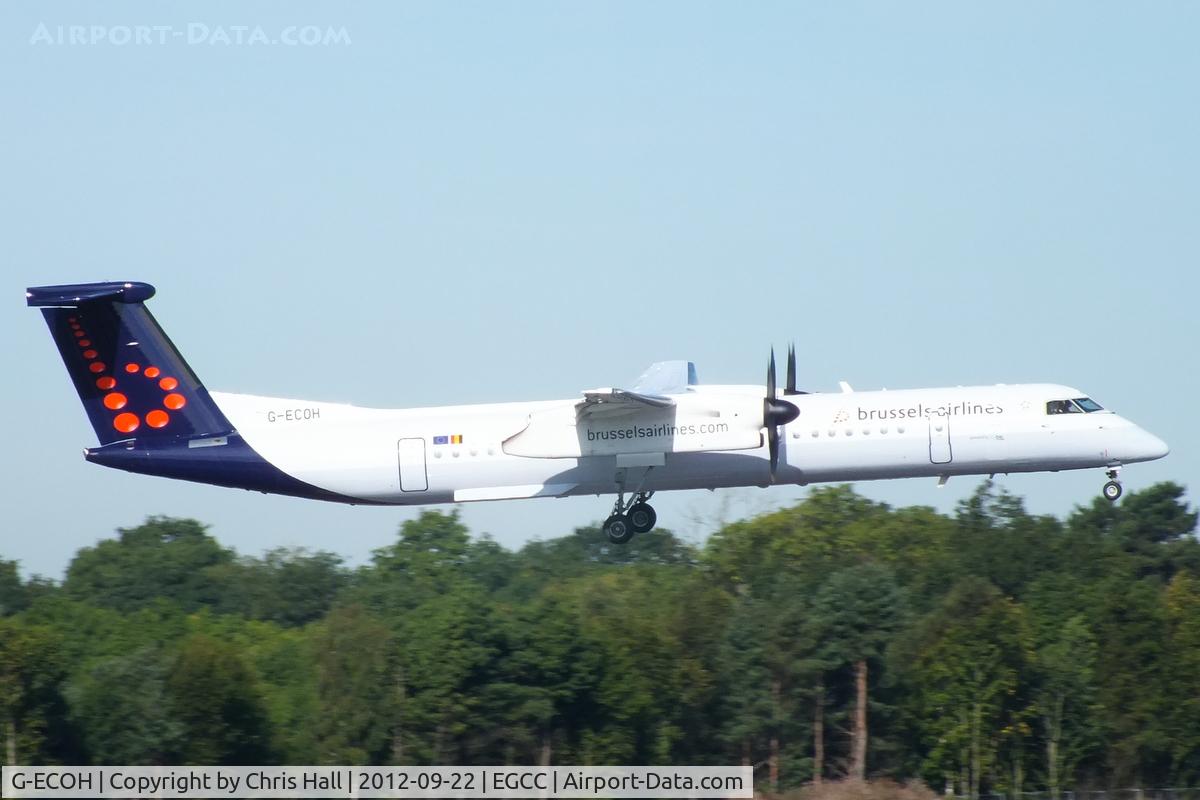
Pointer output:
667, 431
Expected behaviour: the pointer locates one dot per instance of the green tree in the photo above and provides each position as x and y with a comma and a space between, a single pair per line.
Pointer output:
354, 654
289, 586
215, 699
166, 558
628, 623
444, 665
586, 551
286, 665
120, 705
13, 595
857, 612
1066, 703
771, 666
86, 633
1155, 527
825, 531
1182, 701
428, 558
966, 663
919, 547
996, 539
489, 565
546, 673
33, 725
1133, 674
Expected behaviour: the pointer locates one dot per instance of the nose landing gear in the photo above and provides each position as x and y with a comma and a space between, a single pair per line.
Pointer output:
1112, 489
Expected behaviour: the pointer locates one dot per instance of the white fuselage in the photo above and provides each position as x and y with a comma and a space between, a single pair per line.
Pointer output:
540, 449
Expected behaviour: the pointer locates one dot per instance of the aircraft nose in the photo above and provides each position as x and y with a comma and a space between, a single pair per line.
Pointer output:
1146, 446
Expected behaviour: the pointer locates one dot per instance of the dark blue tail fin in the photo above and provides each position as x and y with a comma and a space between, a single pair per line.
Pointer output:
131, 379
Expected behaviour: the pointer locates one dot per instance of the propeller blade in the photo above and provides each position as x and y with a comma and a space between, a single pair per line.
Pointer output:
771, 376
790, 386
773, 447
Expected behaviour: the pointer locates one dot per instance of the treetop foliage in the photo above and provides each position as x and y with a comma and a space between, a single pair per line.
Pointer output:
995, 650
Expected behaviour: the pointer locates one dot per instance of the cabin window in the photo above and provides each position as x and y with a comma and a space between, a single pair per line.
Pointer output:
1088, 404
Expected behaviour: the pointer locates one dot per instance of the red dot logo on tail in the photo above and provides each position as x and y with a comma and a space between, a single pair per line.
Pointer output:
128, 422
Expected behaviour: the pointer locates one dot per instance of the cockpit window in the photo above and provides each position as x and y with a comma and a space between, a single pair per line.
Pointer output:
1079, 405
1062, 407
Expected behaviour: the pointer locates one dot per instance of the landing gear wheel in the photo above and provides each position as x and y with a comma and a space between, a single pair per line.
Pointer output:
618, 529
642, 517
1112, 490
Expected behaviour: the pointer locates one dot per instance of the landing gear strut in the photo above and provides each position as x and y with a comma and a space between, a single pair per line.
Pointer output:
626, 519
1112, 489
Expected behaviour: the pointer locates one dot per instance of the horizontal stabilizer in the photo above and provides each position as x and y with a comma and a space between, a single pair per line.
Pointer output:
76, 294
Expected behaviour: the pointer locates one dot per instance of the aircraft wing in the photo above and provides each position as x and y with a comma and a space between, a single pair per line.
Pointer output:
666, 377
648, 393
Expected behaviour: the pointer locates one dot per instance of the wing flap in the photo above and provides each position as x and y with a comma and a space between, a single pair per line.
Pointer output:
618, 402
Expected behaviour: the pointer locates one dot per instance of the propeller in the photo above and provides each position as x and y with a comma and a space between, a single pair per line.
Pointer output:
778, 412
789, 388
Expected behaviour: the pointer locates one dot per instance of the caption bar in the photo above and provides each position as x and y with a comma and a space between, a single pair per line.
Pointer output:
397, 782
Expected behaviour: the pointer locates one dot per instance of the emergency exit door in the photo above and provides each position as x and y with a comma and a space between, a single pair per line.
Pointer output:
939, 440
413, 477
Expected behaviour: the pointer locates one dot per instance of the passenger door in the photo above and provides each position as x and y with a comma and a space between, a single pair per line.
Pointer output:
939, 440
413, 476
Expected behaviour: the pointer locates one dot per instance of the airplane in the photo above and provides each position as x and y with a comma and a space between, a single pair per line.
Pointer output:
667, 431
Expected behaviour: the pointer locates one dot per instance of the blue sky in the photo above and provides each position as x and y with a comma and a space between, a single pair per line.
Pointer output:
473, 202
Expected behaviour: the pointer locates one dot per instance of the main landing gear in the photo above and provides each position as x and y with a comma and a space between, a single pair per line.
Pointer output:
626, 519
1112, 489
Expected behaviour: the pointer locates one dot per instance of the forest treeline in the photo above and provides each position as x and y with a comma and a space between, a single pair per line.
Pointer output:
987, 650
